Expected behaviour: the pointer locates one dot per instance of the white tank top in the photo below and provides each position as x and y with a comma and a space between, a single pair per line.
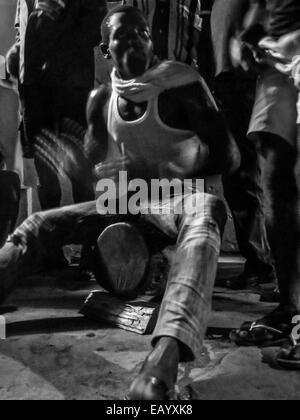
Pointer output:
156, 147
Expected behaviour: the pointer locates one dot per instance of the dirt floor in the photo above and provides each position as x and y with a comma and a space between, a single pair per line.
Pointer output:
53, 353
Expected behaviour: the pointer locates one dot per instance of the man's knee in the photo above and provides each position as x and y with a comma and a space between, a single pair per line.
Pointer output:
216, 208
206, 206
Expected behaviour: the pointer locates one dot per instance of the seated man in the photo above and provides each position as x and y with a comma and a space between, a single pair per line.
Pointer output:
162, 128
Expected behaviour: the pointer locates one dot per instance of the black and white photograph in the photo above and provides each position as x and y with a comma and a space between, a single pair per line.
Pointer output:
149, 203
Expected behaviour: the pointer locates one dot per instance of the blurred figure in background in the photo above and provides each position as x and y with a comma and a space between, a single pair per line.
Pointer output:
273, 129
286, 54
9, 179
235, 91
55, 50
10, 189
175, 27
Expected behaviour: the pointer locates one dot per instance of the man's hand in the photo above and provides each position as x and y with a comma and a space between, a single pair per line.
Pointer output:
284, 54
111, 169
52, 8
286, 47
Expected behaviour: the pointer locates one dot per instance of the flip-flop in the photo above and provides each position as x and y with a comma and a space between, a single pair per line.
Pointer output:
258, 334
271, 331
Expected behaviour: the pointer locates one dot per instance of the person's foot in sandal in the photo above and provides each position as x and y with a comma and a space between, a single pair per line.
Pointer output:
289, 357
274, 329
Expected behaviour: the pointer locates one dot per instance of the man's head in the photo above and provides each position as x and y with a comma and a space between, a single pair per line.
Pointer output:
127, 41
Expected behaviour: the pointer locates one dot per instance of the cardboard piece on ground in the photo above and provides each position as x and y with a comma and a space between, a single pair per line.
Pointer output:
134, 316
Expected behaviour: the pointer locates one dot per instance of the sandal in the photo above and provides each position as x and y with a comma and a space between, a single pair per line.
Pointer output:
270, 331
289, 356
258, 334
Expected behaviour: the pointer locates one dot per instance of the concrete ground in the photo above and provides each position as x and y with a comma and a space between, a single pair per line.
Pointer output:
53, 353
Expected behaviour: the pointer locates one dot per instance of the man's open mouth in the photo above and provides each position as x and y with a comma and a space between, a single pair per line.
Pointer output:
135, 61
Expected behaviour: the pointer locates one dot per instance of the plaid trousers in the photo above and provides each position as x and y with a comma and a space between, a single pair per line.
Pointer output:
186, 305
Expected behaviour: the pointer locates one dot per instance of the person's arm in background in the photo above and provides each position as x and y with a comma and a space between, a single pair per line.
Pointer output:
244, 49
45, 24
208, 123
13, 55
92, 14
255, 22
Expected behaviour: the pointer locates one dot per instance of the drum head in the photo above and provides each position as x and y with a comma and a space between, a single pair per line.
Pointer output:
124, 259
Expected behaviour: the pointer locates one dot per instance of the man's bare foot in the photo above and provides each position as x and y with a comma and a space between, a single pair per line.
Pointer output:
157, 379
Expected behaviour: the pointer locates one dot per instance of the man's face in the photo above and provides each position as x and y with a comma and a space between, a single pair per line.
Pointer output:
130, 44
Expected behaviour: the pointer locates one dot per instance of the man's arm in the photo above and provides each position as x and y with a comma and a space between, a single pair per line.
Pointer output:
208, 123
95, 142
96, 139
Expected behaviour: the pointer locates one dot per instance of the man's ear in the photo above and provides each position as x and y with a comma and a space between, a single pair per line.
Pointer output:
105, 51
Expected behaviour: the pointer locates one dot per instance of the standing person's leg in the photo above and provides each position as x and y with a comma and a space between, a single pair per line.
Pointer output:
10, 190
282, 197
289, 356
281, 187
242, 189
9, 125
273, 130
30, 244
186, 306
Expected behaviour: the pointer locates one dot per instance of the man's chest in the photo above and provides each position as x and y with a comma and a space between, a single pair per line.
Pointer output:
170, 111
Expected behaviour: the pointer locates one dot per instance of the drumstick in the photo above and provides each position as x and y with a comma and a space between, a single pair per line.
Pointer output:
122, 146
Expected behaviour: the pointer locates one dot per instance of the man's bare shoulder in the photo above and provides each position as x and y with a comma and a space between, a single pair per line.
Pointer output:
98, 100
196, 93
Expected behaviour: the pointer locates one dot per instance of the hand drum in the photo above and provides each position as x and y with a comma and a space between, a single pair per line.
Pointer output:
124, 259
